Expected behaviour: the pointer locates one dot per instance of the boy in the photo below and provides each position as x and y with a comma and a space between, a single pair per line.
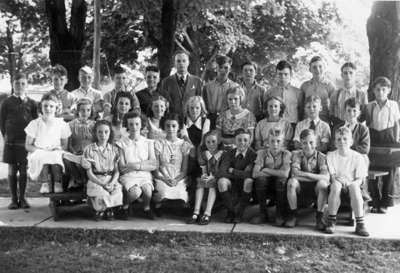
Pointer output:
319, 86
254, 93
321, 128
121, 85
347, 170
85, 89
16, 112
271, 169
310, 177
382, 117
349, 90
291, 96
214, 93
59, 77
235, 175
145, 96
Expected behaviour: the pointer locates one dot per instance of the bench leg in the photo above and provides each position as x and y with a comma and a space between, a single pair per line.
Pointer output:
53, 209
373, 188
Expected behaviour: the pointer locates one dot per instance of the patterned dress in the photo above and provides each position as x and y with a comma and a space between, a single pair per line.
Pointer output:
229, 123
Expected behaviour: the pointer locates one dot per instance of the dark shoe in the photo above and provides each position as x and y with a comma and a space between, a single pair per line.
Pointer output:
109, 215
122, 214
259, 219
319, 225
194, 219
13, 205
204, 220
149, 214
24, 204
98, 215
374, 210
330, 227
291, 222
361, 230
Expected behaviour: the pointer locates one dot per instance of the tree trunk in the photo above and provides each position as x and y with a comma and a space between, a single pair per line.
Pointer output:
11, 55
169, 18
96, 44
66, 44
383, 28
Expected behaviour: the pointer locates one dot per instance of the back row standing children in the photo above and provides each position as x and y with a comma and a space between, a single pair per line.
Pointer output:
17, 112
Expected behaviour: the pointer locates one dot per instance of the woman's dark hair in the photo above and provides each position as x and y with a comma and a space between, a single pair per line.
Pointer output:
116, 119
268, 99
131, 115
171, 116
97, 125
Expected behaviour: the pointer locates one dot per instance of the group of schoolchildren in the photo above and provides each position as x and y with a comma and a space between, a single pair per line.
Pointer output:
182, 138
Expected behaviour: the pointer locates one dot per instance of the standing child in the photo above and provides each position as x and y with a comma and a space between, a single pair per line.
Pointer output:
274, 119
45, 153
159, 107
313, 122
16, 112
209, 160
82, 135
347, 169
100, 159
272, 168
310, 178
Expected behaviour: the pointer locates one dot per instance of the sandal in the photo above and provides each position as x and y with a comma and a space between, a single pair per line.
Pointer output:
204, 220
194, 219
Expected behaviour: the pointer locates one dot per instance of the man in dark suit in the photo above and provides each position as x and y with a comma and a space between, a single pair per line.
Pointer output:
179, 87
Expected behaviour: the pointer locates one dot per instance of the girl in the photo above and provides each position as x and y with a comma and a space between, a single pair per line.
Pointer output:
209, 160
172, 154
274, 119
137, 161
159, 107
82, 135
100, 159
123, 105
234, 118
45, 153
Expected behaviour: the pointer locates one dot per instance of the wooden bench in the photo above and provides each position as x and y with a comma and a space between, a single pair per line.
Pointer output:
60, 200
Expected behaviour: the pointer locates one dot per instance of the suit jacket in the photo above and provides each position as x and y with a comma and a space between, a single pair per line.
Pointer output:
242, 169
178, 96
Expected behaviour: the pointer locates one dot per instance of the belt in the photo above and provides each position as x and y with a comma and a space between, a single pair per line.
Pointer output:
104, 173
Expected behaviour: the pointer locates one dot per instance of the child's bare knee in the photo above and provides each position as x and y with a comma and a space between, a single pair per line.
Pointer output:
223, 184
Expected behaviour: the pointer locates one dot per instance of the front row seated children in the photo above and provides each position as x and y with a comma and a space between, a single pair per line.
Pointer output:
347, 169
271, 172
100, 159
322, 130
309, 178
137, 162
209, 159
45, 153
234, 178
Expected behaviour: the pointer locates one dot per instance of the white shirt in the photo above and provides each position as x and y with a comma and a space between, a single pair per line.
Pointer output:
386, 116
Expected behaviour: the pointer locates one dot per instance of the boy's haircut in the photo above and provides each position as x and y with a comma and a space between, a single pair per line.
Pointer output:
315, 59
306, 133
283, 64
311, 99
86, 69
282, 105
223, 59
348, 64
19, 76
352, 103
192, 100
59, 70
50, 96
97, 125
382, 81
171, 116
157, 98
241, 131
343, 131
180, 51
152, 68
119, 95
119, 70
275, 132
237, 90
251, 63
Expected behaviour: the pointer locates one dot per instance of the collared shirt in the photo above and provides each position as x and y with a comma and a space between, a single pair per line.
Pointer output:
323, 89
243, 153
100, 160
266, 159
349, 167
67, 99
254, 97
215, 95
293, 99
91, 93
316, 163
339, 97
180, 76
210, 161
322, 130
381, 118
263, 127
228, 123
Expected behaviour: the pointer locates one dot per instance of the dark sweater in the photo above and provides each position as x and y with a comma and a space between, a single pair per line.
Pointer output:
242, 169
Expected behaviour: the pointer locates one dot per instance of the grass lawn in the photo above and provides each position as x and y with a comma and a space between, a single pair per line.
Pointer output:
63, 250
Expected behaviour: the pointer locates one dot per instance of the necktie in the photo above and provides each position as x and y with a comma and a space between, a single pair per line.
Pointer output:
181, 81
312, 125
240, 156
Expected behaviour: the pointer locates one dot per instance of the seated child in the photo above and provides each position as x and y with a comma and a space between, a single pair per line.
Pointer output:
100, 159
234, 176
209, 161
347, 169
271, 171
137, 162
17, 111
274, 119
382, 117
309, 178
45, 153
313, 122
